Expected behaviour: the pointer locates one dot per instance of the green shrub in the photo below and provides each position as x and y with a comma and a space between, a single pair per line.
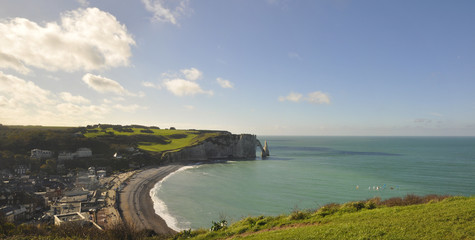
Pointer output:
184, 234
250, 221
242, 230
299, 215
412, 199
261, 222
219, 225
370, 205
328, 209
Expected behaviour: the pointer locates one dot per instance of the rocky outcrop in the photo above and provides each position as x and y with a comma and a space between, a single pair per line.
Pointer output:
226, 146
265, 150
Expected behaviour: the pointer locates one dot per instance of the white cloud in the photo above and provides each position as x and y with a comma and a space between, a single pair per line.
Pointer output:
84, 39
151, 85
167, 10
293, 97
192, 74
114, 99
318, 98
294, 56
224, 83
118, 99
71, 110
107, 101
19, 91
53, 77
182, 83
24, 102
313, 97
83, 3
9, 61
128, 108
189, 107
68, 97
104, 85
182, 87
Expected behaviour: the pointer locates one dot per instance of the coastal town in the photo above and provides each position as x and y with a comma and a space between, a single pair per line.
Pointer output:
85, 196
100, 176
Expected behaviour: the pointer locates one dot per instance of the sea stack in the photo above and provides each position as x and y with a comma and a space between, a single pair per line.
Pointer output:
265, 150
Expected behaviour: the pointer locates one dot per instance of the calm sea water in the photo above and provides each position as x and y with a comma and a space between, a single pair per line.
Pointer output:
308, 172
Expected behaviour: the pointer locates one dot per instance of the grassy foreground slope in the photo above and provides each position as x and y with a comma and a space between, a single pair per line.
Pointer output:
440, 218
451, 218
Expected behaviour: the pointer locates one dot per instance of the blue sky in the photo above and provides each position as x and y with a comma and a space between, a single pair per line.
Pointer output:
267, 67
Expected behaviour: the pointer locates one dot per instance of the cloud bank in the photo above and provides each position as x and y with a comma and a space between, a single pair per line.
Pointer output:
24, 102
84, 39
68, 97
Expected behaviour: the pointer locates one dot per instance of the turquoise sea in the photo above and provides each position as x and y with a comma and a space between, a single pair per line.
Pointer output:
308, 172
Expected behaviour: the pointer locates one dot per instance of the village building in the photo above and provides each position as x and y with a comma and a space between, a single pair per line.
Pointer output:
21, 169
83, 152
80, 153
41, 154
65, 156
75, 218
13, 213
69, 217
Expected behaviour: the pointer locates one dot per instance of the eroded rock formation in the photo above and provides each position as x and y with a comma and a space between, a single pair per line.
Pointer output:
228, 146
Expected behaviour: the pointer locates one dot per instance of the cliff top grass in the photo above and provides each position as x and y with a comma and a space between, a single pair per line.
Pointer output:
168, 139
450, 218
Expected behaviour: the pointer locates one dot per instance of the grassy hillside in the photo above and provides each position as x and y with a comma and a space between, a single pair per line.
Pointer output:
439, 217
165, 139
16, 143
451, 218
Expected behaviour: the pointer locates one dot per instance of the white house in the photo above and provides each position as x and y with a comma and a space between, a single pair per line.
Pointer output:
41, 154
83, 152
80, 153
64, 156
73, 217
21, 169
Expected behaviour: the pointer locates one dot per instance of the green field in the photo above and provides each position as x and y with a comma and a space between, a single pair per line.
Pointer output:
451, 218
174, 139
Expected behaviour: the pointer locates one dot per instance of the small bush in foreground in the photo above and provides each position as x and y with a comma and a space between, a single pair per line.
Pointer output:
412, 199
219, 225
299, 215
328, 209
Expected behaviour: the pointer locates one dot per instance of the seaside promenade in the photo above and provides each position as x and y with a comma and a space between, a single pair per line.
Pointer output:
136, 204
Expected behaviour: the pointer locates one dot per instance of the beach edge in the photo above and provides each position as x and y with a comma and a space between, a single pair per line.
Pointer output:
135, 204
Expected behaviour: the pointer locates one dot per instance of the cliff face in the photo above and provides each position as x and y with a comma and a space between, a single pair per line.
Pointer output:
227, 146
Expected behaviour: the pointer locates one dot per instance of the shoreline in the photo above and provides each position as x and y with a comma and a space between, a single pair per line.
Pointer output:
136, 205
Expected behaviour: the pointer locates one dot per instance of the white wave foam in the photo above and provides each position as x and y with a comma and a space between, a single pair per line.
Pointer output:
159, 205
